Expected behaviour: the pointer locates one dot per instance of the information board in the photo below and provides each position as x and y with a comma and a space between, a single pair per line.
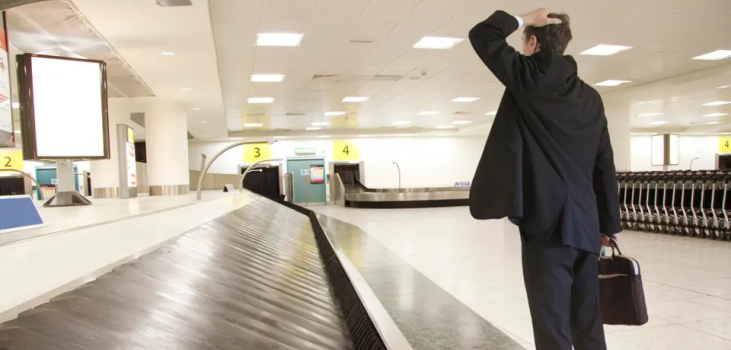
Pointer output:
256, 152
345, 150
11, 159
724, 144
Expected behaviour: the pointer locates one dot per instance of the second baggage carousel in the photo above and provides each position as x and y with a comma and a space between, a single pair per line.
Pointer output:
350, 192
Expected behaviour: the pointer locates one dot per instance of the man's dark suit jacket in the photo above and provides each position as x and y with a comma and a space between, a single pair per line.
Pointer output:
548, 163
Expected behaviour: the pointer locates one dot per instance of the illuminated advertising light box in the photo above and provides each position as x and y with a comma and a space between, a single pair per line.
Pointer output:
6, 107
63, 105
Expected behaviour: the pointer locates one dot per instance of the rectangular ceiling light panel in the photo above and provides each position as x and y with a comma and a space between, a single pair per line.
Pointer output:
714, 56
437, 43
278, 39
605, 50
355, 99
267, 78
612, 82
465, 99
261, 99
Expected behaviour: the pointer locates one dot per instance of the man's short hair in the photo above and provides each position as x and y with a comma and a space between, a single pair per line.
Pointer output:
553, 37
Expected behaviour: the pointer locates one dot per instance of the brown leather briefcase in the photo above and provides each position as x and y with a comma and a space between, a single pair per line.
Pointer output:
621, 295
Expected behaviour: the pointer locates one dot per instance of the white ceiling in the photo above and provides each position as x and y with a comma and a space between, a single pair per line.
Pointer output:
214, 42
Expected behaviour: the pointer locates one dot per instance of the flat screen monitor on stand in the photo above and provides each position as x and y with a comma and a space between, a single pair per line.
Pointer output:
63, 107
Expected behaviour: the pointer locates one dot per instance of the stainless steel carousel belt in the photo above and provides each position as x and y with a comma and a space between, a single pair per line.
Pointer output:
252, 279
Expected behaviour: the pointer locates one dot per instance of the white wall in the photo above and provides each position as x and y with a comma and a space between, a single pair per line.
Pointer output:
425, 162
704, 148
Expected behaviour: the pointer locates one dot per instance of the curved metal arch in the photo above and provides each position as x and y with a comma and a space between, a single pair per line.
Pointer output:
251, 168
38, 186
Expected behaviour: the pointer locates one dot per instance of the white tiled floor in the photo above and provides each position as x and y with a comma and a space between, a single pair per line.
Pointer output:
687, 280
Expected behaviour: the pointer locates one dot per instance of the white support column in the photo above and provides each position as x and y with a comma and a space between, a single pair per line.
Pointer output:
105, 173
620, 132
166, 131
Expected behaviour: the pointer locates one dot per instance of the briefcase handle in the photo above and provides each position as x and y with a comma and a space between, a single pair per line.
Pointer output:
613, 243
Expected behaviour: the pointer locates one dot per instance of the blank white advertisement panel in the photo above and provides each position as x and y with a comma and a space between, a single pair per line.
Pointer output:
68, 110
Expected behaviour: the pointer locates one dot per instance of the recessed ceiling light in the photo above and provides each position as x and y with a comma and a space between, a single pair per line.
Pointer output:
445, 127
167, 53
278, 39
196, 109
312, 128
714, 56
655, 114
462, 122
261, 99
723, 86
612, 82
428, 113
355, 99
324, 136
465, 99
320, 124
401, 122
280, 137
436, 42
364, 135
661, 122
334, 113
252, 125
712, 123
605, 50
491, 113
713, 115
204, 122
186, 89
267, 78
717, 103
16, 105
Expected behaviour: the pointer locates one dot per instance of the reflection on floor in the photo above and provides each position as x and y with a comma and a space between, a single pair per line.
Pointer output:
687, 280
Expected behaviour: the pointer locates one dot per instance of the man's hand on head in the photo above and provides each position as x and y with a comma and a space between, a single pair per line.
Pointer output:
539, 18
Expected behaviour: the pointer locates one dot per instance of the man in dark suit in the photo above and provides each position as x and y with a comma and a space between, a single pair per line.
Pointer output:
548, 166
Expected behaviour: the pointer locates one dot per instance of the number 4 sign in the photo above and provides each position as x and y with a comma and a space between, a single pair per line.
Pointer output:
345, 150
724, 145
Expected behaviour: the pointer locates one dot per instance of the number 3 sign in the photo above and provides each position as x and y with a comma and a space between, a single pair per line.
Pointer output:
256, 152
345, 150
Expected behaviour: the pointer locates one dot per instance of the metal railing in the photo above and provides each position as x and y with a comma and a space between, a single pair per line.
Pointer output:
208, 166
38, 186
251, 168
339, 194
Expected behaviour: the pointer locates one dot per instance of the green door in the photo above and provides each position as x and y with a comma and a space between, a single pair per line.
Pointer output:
309, 180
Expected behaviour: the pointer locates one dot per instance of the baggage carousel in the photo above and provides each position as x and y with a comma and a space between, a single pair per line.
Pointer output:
350, 192
262, 277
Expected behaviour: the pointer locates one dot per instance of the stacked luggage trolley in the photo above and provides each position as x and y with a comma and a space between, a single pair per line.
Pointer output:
690, 203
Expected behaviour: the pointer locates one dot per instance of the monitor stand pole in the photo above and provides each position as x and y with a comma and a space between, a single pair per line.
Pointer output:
66, 195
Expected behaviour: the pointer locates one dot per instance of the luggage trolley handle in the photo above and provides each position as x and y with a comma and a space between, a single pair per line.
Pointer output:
649, 217
664, 202
723, 205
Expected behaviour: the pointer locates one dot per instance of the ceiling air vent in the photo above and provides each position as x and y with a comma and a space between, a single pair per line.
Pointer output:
295, 114
360, 41
259, 114
325, 77
386, 78
462, 113
170, 3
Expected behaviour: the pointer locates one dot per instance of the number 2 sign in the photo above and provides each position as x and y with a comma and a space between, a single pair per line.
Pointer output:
11, 159
345, 150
